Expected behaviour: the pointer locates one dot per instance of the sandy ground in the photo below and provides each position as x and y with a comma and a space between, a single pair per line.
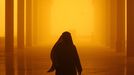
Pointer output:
95, 61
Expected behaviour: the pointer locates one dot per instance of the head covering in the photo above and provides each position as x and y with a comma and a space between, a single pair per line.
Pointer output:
66, 37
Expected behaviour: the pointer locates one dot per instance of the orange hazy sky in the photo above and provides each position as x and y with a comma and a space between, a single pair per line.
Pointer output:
85, 19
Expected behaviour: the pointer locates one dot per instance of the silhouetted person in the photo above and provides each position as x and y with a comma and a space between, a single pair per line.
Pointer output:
64, 56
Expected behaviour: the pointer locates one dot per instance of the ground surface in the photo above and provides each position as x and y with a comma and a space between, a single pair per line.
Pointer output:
95, 61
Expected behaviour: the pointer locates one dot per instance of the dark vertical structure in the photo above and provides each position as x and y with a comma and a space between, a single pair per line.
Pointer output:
113, 23
130, 28
109, 26
35, 22
20, 38
130, 37
28, 36
20, 29
28, 23
108, 22
120, 42
9, 37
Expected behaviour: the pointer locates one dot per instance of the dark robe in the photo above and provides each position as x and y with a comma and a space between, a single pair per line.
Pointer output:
65, 59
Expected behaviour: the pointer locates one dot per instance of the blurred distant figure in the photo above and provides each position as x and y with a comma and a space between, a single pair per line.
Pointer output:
64, 56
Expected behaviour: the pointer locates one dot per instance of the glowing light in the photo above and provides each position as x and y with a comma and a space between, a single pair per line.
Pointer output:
85, 19
2, 18
72, 15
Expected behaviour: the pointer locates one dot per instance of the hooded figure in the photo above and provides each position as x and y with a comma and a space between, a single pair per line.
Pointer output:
64, 56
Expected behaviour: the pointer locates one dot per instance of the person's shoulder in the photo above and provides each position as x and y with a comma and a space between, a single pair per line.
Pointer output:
74, 46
